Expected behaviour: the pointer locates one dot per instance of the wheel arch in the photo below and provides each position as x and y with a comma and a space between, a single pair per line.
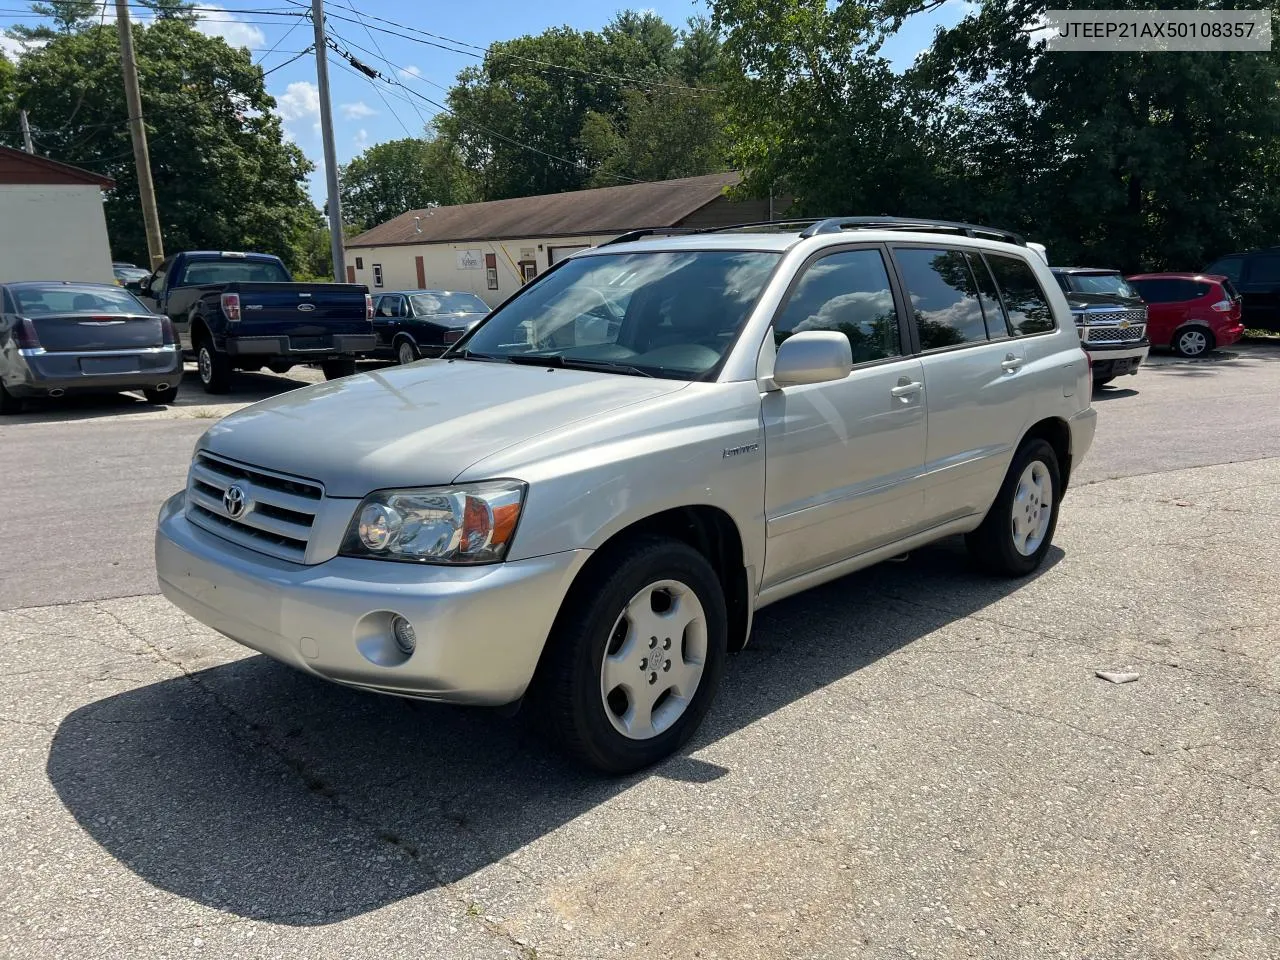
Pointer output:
1055, 432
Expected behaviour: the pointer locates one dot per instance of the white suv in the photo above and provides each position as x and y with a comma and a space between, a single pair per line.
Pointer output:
583, 503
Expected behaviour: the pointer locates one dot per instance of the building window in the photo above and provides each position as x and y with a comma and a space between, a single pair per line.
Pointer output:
377, 274
359, 263
491, 270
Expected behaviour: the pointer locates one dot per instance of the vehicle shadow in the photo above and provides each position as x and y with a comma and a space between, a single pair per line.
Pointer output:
256, 790
245, 388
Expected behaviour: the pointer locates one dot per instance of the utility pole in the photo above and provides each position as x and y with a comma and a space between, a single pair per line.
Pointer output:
141, 157
26, 132
330, 154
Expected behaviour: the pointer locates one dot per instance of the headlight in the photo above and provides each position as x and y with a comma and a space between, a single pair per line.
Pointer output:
473, 523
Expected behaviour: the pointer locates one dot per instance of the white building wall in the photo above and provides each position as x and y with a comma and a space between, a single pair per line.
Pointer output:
53, 232
460, 266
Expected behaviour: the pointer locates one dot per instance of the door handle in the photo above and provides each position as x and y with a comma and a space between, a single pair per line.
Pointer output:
907, 388
1011, 364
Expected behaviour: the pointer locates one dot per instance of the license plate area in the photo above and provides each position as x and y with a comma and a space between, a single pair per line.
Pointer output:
105, 365
311, 343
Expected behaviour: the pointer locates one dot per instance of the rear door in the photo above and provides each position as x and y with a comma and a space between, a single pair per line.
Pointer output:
974, 372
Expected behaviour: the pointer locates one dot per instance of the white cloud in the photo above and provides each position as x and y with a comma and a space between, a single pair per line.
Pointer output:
357, 111
410, 71
362, 138
300, 100
223, 24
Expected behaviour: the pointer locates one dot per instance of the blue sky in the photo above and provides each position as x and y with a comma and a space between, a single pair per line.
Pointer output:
361, 116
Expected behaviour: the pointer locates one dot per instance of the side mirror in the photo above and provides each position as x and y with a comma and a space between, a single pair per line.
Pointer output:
812, 356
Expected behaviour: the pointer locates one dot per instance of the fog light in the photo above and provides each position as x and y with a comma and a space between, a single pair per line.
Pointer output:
406, 639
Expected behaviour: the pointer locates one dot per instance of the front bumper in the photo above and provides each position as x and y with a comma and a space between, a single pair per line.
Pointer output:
480, 630
1116, 359
40, 372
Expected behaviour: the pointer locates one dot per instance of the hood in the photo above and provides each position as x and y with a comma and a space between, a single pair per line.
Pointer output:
417, 425
1083, 301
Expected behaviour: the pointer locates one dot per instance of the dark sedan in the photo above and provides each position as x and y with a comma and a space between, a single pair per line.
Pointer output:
62, 337
412, 324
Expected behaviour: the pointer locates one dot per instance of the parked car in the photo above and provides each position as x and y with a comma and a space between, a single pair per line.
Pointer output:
1110, 317
592, 525
60, 337
1256, 274
1191, 312
242, 311
412, 324
126, 275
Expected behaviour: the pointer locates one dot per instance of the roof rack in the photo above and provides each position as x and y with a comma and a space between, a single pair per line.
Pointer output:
837, 224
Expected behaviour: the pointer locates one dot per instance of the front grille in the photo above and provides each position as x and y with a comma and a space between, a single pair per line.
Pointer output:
279, 510
1134, 332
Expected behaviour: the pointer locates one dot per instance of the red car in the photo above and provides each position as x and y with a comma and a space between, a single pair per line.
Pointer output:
1191, 312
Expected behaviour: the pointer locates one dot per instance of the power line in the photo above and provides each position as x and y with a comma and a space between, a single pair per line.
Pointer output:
374, 75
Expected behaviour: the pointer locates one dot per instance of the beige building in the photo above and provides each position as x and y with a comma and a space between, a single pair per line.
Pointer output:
52, 223
491, 248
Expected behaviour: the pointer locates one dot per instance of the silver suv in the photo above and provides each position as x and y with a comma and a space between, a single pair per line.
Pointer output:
584, 502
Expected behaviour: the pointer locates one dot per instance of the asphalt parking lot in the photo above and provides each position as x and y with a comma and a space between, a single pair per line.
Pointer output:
915, 761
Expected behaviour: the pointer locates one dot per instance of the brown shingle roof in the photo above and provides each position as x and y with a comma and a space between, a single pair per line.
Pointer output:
603, 210
17, 167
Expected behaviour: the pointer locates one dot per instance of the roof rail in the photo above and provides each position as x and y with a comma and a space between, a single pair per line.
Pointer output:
631, 235
837, 224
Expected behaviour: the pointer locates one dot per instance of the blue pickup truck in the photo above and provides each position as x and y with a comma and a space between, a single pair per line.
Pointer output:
242, 311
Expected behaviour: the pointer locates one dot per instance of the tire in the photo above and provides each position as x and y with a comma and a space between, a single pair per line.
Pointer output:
8, 402
406, 351
161, 397
995, 544
336, 369
585, 712
214, 368
1193, 341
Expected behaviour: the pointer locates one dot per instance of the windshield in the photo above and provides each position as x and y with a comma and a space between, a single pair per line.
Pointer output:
230, 271
440, 302
665, 314
60, 298
1104, 283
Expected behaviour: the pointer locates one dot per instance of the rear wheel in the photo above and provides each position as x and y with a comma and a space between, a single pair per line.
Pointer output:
635, 657
1193, 342
1018, 529
8, 402
161, 397
406, 352
214, 368
336, 369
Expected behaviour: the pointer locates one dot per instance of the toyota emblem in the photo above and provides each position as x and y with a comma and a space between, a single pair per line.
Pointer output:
233, 501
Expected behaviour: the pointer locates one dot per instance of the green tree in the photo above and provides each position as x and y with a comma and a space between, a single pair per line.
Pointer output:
554, 112
390, 178
224, 176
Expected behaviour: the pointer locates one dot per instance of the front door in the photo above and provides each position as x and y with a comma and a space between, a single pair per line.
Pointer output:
844, 459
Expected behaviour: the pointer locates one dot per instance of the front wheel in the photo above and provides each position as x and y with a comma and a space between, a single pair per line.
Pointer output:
1018, 529
406, 352
214, 368
337, 369
635, 657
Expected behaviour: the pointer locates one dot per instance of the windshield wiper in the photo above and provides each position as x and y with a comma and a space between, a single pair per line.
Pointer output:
576, 363
472, 355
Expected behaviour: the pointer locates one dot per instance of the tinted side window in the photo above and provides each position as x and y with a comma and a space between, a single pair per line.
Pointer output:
943, 296
1228, 267
989, 296
848, 291
1264, 269
1025, 302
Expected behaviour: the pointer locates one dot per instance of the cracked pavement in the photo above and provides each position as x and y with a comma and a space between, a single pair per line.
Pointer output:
915, 761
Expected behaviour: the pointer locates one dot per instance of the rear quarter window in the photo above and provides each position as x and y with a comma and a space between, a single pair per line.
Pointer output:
1024, 299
